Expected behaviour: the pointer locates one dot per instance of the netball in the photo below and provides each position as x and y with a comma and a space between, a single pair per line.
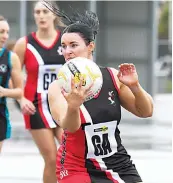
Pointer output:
77, 68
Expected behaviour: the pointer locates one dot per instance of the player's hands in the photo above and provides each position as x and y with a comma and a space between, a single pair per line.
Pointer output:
77, 95
27, 106
127, 74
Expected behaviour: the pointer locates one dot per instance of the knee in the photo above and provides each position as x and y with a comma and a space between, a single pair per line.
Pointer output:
50, 158
51, 161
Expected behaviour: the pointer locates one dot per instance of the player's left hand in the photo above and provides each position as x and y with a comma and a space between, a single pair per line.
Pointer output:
127, 74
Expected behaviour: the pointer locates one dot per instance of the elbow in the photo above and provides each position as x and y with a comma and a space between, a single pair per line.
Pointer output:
147, 114
150, 113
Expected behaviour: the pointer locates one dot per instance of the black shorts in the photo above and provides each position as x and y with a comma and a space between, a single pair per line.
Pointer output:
41, 119
5, 126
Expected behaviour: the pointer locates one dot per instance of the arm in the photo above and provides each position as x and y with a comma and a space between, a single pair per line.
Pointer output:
10, 84
67, 117
15, 92
20, 49
134, 98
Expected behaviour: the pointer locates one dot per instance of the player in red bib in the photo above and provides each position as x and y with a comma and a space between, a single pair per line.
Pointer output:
91, 149
40, 54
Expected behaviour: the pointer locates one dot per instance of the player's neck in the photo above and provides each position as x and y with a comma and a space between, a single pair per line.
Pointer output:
90, 57
46, 34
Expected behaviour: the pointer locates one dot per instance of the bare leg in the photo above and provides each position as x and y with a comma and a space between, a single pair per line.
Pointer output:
58, 134
1, 142
45, 141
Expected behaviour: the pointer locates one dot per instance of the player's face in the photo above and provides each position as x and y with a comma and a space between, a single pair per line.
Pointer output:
43, 17
4, 32
73, 45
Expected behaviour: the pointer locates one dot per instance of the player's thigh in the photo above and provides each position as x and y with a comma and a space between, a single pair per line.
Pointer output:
58, 131
45, 141
1, 142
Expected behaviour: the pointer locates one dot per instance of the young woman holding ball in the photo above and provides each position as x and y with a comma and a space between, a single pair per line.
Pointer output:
92, 150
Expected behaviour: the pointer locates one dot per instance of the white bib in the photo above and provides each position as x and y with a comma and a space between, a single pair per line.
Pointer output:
101, 140
46, 74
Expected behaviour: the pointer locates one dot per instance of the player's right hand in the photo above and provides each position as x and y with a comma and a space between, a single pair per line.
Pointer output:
77, 95
27, 107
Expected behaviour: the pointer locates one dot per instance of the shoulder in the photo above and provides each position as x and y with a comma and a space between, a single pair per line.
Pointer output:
14, 58
20, 47
22, 41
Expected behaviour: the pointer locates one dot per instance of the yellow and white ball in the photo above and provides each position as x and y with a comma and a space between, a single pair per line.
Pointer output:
81, 67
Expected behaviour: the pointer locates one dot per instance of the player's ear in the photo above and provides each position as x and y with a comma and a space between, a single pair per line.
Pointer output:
91, 46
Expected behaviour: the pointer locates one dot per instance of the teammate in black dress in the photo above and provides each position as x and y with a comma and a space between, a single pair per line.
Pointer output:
40, 54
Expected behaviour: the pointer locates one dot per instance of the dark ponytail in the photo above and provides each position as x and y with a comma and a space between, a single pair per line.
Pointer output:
86, 24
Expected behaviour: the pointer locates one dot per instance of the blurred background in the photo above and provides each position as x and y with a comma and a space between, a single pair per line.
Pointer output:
130, 31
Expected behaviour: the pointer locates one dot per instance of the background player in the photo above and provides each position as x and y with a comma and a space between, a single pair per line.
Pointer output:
9, 68
40, 53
